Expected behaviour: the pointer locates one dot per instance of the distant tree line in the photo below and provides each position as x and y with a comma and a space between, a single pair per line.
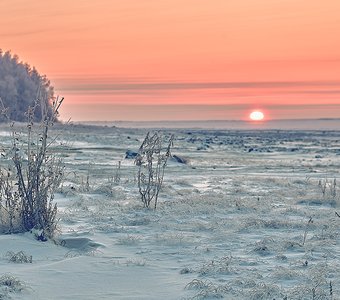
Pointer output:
21, 87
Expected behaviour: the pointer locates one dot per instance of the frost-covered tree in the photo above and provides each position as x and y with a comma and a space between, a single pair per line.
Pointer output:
19, 87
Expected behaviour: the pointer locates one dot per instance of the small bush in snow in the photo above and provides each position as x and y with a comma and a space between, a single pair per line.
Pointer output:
151, 162
34, 173
329, 187
10, 284
19, 257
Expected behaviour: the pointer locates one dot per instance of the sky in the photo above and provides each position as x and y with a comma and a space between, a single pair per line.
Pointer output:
181, 59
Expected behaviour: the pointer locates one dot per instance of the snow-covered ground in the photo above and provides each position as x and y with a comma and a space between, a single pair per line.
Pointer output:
244, 218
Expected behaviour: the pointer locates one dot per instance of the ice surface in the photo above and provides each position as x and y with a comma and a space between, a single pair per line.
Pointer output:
231, 223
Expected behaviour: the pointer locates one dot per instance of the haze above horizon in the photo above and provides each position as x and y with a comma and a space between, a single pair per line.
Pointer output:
182, 59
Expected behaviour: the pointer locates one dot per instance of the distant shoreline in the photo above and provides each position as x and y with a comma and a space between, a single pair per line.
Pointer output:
283, 124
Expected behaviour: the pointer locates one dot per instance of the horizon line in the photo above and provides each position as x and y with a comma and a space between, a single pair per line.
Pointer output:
219, 120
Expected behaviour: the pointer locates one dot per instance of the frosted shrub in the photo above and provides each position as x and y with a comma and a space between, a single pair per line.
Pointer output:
329, 186
19, 257
151, 162
10, 284
207, 290
217, 266
34, 173
129, 240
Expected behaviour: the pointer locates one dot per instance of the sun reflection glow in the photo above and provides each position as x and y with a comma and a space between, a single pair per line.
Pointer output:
256, 115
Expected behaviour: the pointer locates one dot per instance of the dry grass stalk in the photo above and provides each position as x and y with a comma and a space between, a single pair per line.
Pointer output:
151, 161
27, 187
117, 175
310, 221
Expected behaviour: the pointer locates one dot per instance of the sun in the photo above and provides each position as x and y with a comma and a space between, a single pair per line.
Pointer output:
256, 115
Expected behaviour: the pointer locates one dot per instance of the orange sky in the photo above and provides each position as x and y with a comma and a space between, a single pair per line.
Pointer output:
282, 56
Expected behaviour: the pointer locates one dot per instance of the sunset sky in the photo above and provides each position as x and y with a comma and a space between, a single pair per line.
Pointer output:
181, 59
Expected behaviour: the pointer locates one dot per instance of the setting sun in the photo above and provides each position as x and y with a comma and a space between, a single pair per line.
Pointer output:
256, 116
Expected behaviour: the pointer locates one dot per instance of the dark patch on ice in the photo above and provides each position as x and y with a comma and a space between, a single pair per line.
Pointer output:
315, 202
202, 147
129, 154
179, 159
310, 202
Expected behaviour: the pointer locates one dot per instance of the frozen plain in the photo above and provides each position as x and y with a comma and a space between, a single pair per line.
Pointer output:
244, 218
